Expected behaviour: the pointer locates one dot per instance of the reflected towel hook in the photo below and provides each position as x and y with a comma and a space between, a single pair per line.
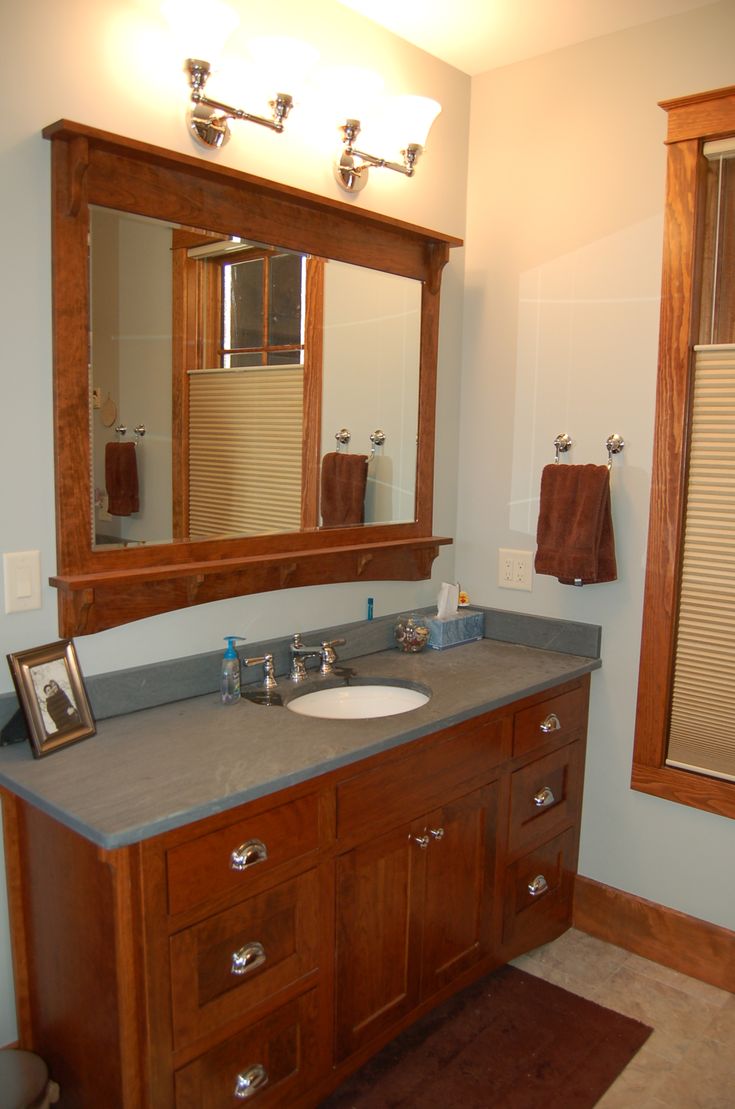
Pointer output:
614, 444
377, 438
138, 431
562, 443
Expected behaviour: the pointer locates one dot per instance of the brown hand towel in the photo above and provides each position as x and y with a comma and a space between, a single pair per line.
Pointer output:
121, 479
575, 535
344, 477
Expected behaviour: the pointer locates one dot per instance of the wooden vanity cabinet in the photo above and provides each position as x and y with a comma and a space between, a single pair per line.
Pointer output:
413, 912
264, 952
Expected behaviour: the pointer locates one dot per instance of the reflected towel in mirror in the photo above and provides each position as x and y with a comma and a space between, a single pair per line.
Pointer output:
121, 479
575, 541
344, 479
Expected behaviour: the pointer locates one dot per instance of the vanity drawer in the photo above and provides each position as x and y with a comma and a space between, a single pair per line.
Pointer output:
559, 718
545, 796
238, 958
537, 898
269, 1064
400, 789
221, 862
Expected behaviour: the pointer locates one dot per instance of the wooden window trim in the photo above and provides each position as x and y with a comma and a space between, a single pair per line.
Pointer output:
691, 122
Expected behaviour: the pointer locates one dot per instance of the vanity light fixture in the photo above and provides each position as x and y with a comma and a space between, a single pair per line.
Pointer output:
209, 120
414, 115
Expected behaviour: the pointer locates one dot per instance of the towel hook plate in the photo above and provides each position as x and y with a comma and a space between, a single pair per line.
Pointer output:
562, 443
614, 444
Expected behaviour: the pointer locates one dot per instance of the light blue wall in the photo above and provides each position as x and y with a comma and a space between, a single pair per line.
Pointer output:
563, 265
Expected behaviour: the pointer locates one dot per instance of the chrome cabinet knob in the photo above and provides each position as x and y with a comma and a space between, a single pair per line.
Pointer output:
249, 957
544, 798
248, 1082
550, 724
538, 886
436, 833
422, 841
248, 854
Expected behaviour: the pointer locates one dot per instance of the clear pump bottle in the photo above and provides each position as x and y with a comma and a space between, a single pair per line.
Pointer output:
230, 677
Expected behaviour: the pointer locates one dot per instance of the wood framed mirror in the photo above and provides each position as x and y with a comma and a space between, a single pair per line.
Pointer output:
104, 581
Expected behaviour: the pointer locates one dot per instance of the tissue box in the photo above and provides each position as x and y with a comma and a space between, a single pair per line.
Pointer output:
451, 631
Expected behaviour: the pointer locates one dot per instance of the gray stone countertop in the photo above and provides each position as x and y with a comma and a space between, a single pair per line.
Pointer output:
161, 768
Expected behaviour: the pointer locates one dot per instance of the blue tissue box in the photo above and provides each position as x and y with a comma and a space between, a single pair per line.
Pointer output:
464, 627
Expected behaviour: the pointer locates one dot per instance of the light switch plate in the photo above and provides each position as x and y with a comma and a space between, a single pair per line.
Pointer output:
22, 579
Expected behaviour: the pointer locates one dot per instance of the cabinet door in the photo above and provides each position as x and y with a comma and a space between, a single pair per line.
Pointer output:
379, 893
460, 871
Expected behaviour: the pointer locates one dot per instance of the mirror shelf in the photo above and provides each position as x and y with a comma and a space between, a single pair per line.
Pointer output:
102, 587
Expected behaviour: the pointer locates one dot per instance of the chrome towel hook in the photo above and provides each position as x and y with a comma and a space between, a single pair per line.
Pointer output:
562, 443
614, 444
343, 437
377, 438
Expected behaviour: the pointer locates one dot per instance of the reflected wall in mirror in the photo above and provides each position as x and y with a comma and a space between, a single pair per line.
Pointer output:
344, 309
195, 331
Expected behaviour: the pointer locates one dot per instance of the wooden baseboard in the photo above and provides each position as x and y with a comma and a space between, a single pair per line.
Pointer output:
684, 943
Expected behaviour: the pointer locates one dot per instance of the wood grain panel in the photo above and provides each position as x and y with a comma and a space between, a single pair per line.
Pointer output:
561, 773
285, 1043
570, 710
202, 869
379, 895
206, 993
529, 920
460, 870
396, 791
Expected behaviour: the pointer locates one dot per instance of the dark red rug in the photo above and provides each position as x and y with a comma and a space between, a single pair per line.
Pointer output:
510, 1041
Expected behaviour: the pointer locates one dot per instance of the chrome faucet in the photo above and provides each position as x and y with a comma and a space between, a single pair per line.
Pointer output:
300, 652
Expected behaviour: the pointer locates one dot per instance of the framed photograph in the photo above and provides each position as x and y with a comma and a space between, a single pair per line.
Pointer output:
52, 695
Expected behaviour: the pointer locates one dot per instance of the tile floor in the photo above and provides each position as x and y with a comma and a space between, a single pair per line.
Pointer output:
689, 1060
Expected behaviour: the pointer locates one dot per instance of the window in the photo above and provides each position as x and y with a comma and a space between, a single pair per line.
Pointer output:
247, 387
685, 738
263, 309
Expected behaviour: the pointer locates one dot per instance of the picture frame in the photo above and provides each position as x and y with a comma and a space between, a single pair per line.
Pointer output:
51, 693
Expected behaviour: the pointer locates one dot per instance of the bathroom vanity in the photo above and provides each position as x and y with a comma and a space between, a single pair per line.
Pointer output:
212, 905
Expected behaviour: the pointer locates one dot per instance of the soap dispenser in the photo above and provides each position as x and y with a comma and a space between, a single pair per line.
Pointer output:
230, 678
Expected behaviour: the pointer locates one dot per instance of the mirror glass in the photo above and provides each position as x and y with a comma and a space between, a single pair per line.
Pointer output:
225, 372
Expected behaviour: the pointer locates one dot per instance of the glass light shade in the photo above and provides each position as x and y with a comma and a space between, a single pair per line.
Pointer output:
277, 63
200, 27
413, 116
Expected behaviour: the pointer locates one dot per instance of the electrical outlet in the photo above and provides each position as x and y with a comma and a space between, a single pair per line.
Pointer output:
515, 569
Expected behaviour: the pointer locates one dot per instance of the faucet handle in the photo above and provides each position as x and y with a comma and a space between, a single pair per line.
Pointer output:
269, 676
329, 655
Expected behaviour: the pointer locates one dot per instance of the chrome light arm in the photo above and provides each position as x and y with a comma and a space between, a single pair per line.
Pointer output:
352, 175
209, 119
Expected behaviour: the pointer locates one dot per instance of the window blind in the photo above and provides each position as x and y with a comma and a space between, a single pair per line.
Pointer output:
245, 438
702, 722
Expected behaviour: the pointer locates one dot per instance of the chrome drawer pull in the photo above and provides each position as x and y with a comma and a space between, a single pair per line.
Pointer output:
544, 798
249, 957
550, 724
422, 841
248, 854
250, 1081
436, 833
538, 886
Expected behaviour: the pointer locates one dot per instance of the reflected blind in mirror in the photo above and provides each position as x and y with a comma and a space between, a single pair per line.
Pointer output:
245, 446
702, 722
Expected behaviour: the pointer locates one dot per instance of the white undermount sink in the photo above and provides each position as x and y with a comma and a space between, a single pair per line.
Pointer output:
358, 702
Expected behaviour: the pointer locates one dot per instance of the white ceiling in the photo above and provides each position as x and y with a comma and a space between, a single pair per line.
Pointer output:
477, 35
